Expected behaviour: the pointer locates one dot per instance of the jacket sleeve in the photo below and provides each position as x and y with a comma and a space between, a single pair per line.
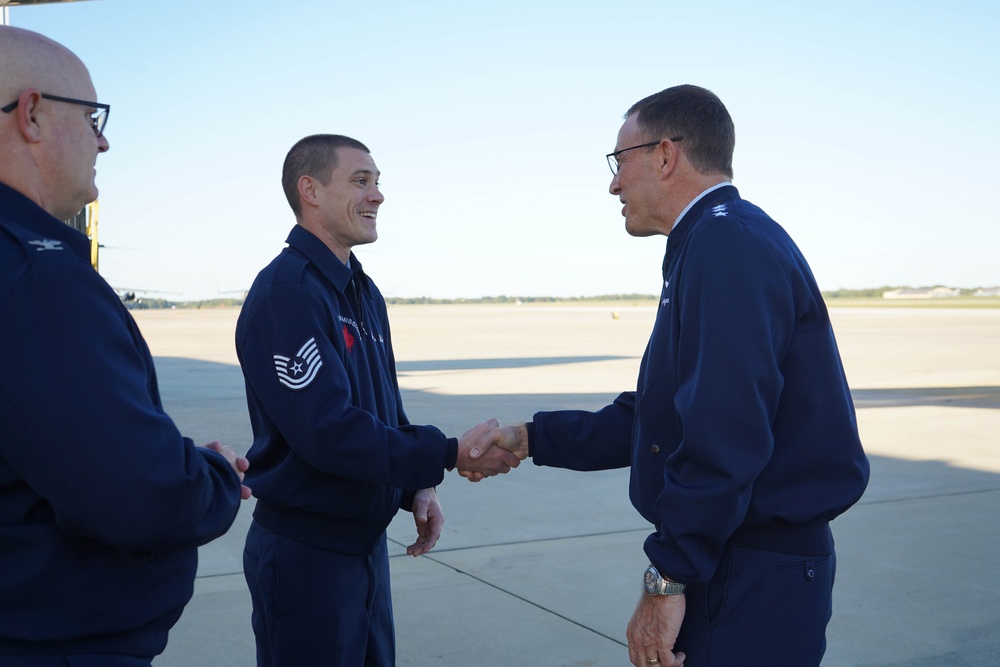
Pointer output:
585, 441
321, 422
84, 425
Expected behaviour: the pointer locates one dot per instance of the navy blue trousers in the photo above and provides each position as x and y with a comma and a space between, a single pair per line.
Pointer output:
315, 607
762, 608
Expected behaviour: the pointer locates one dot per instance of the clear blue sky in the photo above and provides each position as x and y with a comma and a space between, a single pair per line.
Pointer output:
868, 129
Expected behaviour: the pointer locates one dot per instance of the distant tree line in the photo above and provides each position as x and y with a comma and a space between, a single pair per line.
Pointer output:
858, 293
142, 303
877, 291
521, 299
871, 292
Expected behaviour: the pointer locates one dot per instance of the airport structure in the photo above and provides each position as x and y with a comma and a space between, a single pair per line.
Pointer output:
6, 4
922, 293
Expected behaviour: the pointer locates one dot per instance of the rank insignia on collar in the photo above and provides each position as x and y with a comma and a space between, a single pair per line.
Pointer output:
298, 372
47, 244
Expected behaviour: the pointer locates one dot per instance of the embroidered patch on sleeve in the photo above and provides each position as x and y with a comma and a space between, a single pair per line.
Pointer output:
298, 372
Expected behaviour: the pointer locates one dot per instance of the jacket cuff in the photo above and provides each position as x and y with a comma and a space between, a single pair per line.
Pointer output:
407, 502
452, 455
530, 427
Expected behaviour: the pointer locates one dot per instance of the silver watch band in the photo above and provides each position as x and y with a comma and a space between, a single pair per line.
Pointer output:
655, 585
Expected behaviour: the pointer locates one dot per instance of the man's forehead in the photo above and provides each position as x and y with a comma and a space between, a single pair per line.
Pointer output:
354, 160
629, 132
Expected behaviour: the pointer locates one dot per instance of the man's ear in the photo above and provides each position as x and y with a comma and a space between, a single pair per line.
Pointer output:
669, 155
27, 115
307, 190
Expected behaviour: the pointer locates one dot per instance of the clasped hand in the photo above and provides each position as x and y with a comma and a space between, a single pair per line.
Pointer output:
239, 464
489, 449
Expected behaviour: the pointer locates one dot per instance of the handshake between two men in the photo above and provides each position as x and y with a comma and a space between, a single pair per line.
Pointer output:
489, 449
485, 450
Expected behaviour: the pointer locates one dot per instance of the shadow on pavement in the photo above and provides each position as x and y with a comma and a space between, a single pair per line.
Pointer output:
405, 367
949, 397
541, 567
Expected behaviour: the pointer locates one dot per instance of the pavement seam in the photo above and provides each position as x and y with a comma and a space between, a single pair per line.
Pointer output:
219, 574
526, 600
519, 542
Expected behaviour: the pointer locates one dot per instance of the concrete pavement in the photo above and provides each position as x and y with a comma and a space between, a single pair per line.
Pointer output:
542, 567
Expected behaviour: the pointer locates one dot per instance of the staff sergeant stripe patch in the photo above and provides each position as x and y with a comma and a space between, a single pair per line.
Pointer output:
299, 371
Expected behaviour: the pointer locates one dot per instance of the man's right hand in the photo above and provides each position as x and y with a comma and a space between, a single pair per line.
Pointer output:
487, 459
239, 463
512, 438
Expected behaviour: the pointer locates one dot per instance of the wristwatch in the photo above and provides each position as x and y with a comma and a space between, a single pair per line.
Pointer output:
655, 585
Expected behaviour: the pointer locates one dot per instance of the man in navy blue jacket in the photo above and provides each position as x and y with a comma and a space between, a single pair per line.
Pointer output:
334, 456
102, 502
741, 434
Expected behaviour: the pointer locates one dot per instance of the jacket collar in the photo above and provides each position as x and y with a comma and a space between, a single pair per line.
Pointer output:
338, 273
709, 198
19, 211
706, 200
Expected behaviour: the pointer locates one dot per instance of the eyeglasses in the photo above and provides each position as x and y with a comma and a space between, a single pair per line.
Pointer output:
98, 119
615, 163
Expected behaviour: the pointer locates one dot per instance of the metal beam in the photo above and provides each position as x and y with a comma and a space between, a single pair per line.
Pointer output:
25, 3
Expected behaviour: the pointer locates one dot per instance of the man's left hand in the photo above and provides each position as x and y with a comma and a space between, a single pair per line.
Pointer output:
429, 518
653, 630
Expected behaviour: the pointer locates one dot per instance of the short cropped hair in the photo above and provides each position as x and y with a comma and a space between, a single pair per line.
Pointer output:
696, 114
314, 156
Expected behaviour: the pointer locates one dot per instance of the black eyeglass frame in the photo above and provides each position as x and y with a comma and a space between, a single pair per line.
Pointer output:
614, 164
100, 121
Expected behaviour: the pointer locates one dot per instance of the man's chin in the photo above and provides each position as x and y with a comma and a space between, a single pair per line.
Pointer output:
366, 241
67, 211
635, 230
89, 196
642, 229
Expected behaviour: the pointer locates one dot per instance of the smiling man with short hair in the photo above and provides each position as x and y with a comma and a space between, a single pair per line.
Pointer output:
334, 455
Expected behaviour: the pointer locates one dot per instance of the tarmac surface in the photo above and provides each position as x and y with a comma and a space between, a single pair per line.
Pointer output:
542, 567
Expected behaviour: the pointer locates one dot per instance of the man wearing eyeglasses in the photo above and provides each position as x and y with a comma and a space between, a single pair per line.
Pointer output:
102, 502
741, 434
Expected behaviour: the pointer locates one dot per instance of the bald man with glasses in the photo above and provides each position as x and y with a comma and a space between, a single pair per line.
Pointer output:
102, 502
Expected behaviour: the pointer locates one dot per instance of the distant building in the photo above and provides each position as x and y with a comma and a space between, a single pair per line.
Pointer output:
987, 291
922, 293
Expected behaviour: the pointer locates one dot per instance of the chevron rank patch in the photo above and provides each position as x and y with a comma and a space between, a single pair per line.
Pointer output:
297, 372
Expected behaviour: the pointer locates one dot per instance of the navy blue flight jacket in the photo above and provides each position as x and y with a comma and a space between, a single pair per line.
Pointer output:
741, 429
333, 450
102, 502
